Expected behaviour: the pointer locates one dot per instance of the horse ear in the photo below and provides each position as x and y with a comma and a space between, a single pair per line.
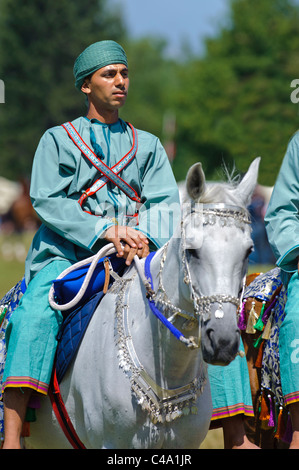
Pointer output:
248, 183
195, 181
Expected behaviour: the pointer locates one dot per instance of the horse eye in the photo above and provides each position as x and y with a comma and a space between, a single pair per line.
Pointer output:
249, 251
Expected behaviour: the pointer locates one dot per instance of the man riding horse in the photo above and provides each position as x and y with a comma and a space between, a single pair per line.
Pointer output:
80, 212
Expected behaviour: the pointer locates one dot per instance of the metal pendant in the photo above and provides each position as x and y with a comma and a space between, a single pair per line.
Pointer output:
219, 313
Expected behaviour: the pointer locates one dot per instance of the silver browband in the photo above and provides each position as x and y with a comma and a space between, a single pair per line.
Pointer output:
222, 210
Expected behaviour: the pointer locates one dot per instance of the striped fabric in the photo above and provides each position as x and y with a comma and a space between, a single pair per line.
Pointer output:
29, 382
227, 411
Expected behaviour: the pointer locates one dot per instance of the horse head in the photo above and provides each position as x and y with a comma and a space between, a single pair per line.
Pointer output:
217, 242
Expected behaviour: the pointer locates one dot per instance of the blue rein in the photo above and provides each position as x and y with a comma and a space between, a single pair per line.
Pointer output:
153, 307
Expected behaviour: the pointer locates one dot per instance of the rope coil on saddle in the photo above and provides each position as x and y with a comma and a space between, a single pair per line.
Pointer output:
93, 260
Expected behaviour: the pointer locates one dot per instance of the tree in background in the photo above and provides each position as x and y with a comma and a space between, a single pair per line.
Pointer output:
234, 104
39, 41
230, 105
153, 84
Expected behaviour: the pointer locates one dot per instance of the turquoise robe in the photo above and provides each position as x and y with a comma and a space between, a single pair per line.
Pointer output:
61, 173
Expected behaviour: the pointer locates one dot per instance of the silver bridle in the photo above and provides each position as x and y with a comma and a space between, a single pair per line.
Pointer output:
162, 404
227, 215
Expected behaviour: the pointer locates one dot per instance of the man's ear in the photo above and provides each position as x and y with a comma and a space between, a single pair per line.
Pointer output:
85, 88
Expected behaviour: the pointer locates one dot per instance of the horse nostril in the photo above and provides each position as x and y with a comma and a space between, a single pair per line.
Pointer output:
210, 335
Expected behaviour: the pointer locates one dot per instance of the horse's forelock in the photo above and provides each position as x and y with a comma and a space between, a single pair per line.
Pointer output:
220, 193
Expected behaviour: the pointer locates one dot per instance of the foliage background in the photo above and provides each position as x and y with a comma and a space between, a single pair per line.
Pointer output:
229, 105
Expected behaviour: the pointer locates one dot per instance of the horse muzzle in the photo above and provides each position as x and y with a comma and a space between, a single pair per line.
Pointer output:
220, 337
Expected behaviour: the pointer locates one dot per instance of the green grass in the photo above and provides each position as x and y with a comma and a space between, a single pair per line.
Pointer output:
13, 250
10, 273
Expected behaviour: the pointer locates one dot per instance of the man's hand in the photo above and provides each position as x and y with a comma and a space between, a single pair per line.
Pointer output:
128, 242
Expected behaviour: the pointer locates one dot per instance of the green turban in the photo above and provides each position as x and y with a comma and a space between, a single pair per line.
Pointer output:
96, 56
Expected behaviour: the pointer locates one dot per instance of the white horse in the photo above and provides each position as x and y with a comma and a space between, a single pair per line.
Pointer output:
133, 383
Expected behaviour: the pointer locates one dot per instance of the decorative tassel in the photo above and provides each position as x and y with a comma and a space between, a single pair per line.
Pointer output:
3, 311
287, 437
259, 324
271, 422
259, 405
267, 330
264, 414
29, 418
251, 320
269, 310
242, 317
25, 429
279, 431
30, 415
258, 341
34, 401
259, 359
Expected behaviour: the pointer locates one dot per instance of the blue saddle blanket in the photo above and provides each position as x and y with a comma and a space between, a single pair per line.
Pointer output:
72, 332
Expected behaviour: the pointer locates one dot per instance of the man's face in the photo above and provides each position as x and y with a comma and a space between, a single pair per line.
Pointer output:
107, 88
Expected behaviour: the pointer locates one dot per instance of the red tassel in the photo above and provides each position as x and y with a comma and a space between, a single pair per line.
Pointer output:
280, 427
264, 414
26, 429
259, 359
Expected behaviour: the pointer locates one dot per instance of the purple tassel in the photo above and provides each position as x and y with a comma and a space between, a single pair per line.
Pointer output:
287, 437
242, 320
271, 422
268, 311
34, 402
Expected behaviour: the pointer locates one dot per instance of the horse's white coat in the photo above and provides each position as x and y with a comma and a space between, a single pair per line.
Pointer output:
97, 392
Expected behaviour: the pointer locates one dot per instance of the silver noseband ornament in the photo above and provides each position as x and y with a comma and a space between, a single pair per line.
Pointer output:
227, 215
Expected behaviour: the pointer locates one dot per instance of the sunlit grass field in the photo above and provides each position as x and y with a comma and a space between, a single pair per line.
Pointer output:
13, 250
